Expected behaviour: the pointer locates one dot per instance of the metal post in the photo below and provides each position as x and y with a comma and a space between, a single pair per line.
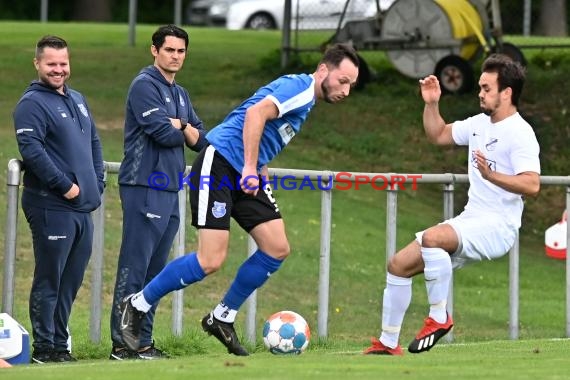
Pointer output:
44, 11
13, 183
251, 300
97, 255
514, 290
132, 21
448, 213
325, 258
391, 222
568, 264
391, 226
526, 17
178, 251
177, 12
286, 36
496, 16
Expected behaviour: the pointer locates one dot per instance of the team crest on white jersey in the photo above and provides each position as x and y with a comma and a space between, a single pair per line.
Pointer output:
219, 209
83, 109
492, 144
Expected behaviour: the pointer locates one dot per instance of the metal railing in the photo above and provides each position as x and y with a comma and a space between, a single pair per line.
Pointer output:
326, 177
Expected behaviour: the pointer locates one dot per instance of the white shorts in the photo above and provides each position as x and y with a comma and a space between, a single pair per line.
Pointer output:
482, 236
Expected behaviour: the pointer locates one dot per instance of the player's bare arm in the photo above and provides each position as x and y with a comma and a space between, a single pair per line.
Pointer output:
525, 183
254, 123
437, 131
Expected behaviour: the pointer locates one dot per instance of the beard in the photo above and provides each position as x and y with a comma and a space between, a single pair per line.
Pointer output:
326, 91
53, 84
489, 110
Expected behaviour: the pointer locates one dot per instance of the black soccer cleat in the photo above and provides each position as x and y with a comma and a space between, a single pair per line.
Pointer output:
430, 334
225, 333
131, 319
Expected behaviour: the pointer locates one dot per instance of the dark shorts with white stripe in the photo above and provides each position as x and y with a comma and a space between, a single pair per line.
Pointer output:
216, 195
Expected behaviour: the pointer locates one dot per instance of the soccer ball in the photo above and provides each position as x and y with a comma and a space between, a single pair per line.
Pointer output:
286, 332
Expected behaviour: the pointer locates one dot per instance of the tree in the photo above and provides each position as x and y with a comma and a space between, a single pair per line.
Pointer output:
553, 20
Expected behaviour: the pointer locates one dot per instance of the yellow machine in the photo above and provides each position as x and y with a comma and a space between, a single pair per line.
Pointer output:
441, 37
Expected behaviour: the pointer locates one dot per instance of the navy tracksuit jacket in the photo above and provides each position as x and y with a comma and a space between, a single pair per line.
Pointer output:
59, 145
149, 181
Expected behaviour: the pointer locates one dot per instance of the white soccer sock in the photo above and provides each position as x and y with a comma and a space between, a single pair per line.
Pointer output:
224, 313
397, 298
139, 302
437, 273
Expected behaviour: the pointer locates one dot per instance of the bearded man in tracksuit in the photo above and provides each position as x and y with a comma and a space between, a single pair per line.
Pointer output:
63, 182
160, 120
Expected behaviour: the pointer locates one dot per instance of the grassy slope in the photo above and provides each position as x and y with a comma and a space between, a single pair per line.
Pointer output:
377, 129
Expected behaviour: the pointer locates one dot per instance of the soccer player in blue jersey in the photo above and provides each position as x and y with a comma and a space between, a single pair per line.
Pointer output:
239, 150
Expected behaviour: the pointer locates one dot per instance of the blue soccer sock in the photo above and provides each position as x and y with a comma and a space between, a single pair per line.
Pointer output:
178, 274
251, 275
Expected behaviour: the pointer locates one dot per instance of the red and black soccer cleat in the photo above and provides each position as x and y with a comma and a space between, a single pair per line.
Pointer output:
377, 348
430, 334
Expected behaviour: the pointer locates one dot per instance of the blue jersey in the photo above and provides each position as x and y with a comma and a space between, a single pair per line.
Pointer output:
294, 96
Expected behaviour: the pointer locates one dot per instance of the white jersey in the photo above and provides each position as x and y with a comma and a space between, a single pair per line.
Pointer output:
510, 147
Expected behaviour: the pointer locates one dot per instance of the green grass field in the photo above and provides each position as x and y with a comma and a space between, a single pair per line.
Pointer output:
534, 359
375, 130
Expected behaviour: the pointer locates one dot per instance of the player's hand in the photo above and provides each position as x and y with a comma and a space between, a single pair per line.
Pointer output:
430, 89
72, 193
482, 164
175, 123
249, 181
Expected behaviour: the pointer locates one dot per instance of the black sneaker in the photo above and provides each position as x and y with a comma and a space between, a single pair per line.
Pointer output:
42, 357
151, 353
123, 354
62, 357
131, 320
225, 333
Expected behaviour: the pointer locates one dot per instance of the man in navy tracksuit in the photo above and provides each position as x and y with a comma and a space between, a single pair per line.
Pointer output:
160, 120
63, 182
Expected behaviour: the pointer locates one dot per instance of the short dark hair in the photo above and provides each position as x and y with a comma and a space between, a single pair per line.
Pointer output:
336, 53
162, 32
510, 74
53, 42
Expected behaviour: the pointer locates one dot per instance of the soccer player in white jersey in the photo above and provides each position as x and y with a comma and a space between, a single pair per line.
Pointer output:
504, 166
227, 181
